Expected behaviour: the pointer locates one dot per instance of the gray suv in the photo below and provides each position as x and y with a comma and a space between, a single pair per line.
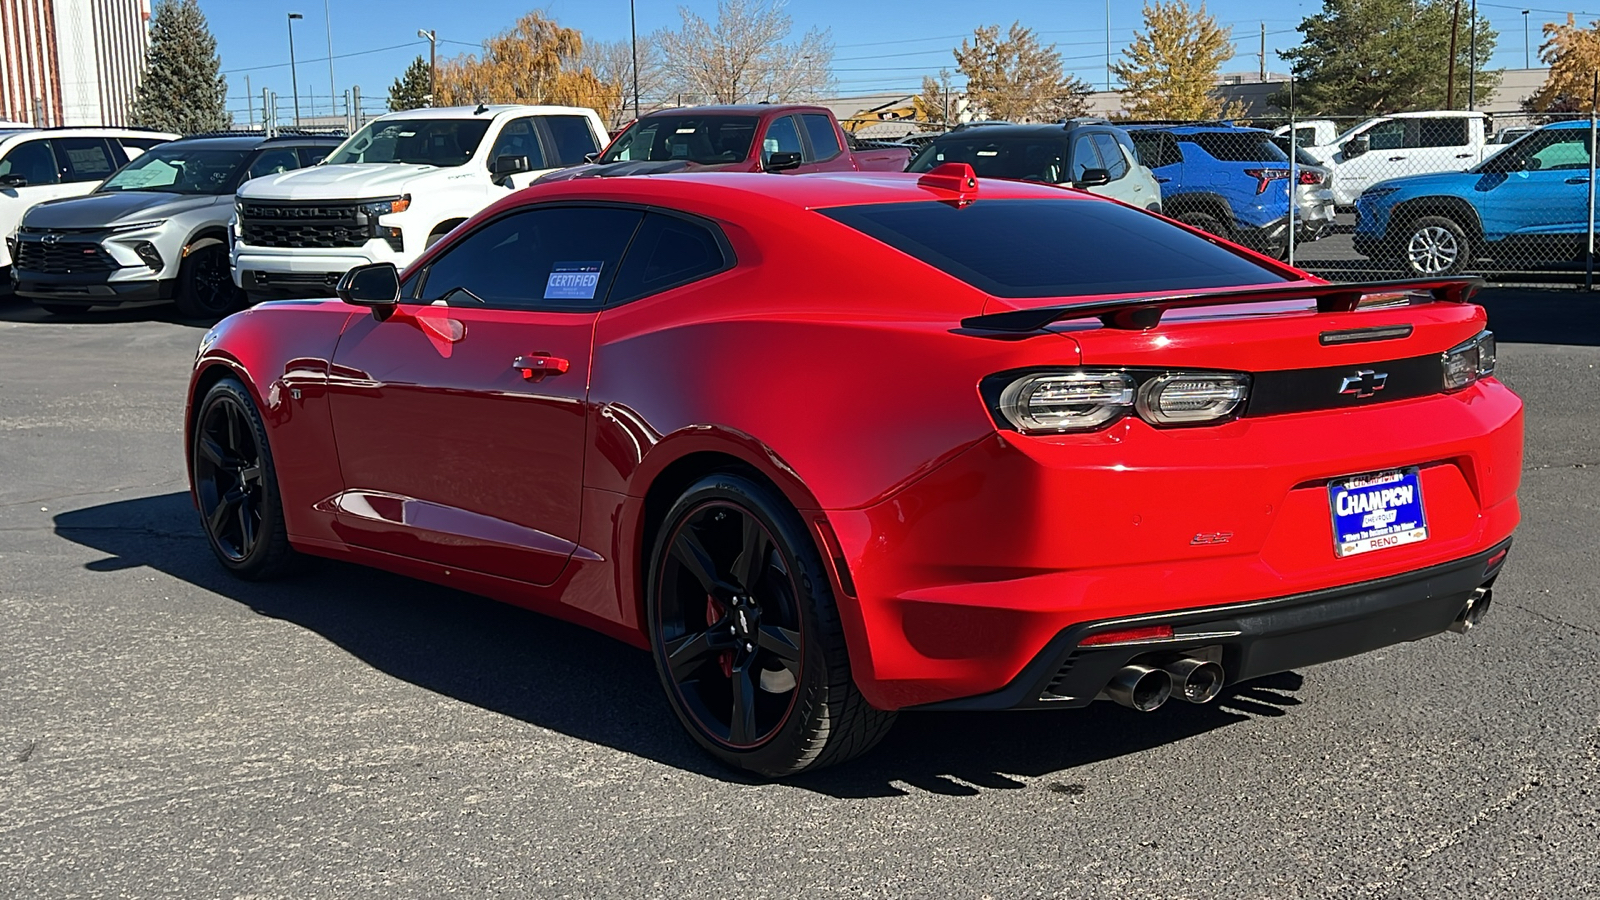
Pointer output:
156, 230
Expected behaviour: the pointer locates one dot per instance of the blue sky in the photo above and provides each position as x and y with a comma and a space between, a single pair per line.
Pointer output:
878, 45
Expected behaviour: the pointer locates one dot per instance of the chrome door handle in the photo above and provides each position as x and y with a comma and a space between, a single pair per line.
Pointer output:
1578, 179
538, 365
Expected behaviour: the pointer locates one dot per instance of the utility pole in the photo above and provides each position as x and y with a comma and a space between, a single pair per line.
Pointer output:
327, 22
633, 29
1108, 46
1472, 58
294, 78
1526, 60
355, 97
1450, 78
249, 103
1263, 53
432, 37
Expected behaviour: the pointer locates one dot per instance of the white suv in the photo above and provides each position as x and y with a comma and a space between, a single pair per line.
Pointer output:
50, 163
394, 188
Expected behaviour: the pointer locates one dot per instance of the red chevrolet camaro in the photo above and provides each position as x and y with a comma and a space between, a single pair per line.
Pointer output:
833, 446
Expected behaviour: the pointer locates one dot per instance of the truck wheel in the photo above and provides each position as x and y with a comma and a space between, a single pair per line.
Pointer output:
205, 286
1435, 245
746, 635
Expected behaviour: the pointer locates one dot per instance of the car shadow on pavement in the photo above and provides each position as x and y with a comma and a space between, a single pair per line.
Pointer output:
21, 310
570, 680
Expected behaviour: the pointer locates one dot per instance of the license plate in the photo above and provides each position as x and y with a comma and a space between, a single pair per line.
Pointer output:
1371, 512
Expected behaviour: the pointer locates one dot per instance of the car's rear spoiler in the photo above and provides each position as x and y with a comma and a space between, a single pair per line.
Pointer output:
1140, 313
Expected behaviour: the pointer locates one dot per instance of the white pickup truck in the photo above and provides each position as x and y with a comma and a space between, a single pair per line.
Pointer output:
1413, 143
393, 188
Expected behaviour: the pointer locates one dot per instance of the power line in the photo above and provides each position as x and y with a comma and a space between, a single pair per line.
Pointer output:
284, 65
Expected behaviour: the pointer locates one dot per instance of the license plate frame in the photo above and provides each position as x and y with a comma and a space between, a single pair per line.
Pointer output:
1377, 511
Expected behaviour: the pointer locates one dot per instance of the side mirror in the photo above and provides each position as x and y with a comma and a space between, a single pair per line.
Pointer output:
1355, 147
13, 181
508, 165
376, 286
781, 162
1094, 178
591, 157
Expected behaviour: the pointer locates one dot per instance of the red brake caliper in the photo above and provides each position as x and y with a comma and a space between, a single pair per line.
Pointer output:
714, 613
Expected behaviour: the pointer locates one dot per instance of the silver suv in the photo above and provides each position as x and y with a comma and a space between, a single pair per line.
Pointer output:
156, 231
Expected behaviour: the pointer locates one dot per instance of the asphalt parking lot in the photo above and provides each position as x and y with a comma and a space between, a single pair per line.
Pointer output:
167, 731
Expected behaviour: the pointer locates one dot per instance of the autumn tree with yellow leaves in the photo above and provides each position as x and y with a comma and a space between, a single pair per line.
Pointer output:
1170, 70
534, 61
1573, 54
1013, 77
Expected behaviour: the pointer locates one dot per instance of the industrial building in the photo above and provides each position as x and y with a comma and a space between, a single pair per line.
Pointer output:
71, 62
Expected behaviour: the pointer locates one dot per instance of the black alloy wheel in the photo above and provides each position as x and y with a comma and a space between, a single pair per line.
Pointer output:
746, 635
205, 284
235, 485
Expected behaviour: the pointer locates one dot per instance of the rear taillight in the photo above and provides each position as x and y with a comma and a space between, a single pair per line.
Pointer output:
1062, 402
1309, 177
1265, 177
1464, 364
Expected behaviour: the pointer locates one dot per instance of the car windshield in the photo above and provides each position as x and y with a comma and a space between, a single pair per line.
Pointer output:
707, 140
1548, 148
1069, 247
423, 142
177, 169
1021, 159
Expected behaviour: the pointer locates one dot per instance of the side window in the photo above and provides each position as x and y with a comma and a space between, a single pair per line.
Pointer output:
1571, 151
782, 137
310, 156
668, 252
1386, 135
1111, 155
518, 138
1084, 157
32, 162
1451, 132
1171, 154
824, 140
560, 257
273, 162
571, 139
85, 159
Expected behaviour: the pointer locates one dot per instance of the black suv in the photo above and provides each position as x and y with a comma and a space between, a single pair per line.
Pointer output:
1087, 153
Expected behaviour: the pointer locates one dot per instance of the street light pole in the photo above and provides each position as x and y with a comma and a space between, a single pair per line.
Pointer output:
633, 28
327, 21
432, 38
1526, 61
1472, 57
294, 78
1108, 45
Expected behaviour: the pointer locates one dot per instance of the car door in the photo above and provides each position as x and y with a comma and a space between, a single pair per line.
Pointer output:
1538, 188
824, 152
783, 136
1159, 153
1386, 148
460, 418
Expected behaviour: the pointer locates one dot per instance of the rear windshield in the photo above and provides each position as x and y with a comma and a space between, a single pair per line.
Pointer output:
1014, 158
1053, 248
1237, 146
707, 140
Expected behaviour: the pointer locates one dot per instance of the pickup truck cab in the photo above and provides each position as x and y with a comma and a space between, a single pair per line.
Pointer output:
1310, 133
1415, 143
787, 138
393, 188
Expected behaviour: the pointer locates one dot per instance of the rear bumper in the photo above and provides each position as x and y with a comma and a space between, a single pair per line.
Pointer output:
91, 290
1255, 639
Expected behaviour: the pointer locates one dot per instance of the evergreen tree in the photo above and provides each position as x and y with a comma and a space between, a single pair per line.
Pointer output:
410, 90
1171, 67
182, 89
1367, 57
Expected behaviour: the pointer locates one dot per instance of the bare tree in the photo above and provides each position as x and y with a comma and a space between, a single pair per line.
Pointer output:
745, 56
1016, 78
612, 62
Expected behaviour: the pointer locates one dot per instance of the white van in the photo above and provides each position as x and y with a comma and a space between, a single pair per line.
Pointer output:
1415, 143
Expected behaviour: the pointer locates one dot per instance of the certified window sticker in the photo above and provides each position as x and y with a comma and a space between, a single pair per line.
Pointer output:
573, 281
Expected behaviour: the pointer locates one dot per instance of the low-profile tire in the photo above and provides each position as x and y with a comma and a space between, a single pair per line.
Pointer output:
746, 634
205, 284
236, 485
1434, 245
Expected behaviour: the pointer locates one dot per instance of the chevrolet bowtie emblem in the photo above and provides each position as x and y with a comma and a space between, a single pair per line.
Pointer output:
51, 238
1363, 383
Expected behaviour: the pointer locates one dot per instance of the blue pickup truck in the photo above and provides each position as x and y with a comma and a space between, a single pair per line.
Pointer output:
1525, 206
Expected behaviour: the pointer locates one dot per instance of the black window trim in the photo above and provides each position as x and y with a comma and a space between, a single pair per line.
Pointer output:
729, 258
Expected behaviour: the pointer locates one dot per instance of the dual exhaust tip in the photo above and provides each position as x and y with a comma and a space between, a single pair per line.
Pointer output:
1477, 607
1145, 688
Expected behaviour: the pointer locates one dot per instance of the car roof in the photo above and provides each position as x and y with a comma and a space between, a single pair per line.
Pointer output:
1576, 123
490, 111
1032, 130
741, 109
9, 132
252, 141
1197, 128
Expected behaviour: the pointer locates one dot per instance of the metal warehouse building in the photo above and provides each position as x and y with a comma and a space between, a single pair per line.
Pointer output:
71, 62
